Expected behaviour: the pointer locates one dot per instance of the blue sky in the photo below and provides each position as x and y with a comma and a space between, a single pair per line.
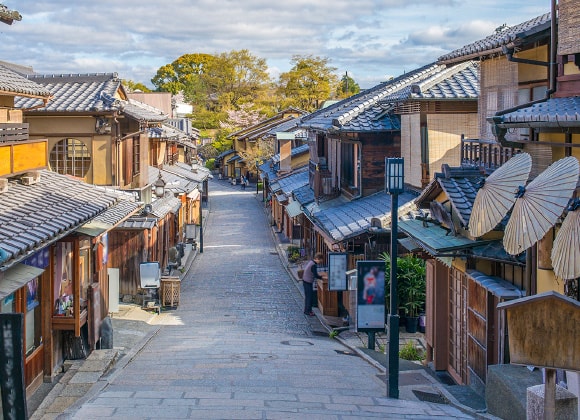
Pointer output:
372, 40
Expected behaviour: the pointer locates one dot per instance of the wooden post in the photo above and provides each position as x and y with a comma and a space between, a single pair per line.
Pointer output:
550, 395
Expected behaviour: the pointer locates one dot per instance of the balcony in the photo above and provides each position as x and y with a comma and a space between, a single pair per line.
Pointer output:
321, 182
485, 154
13, 132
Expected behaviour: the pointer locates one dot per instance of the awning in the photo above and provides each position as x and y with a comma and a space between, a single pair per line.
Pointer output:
294, 209
436, 240
496, 286
16, 277
94, 228
409, 244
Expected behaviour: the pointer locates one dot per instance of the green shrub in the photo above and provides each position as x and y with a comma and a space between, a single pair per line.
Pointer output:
410, 352
210, 164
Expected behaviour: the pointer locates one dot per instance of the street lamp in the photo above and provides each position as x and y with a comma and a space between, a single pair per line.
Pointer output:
159, 186
200, 188
394, 185
257, 175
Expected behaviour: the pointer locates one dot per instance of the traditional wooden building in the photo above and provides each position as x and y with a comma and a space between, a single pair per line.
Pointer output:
51, 262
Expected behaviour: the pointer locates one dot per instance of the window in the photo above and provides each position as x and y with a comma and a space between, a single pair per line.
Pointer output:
70, 157
33, 337
136, 155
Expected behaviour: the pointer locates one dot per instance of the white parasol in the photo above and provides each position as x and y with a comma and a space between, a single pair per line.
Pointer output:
566, 248
497, 195
539, 205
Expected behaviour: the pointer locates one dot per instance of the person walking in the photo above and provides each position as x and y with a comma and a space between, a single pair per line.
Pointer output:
243, 183
308, 277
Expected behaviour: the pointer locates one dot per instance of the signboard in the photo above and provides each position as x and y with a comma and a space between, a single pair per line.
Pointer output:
337, 271
12, 367
370, 309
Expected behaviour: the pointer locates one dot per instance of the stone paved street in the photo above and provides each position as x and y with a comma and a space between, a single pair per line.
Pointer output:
239, 347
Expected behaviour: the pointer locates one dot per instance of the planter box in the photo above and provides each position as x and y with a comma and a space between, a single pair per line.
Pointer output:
327, 300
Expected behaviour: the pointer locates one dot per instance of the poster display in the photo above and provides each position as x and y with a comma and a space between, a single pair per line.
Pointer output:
337, 271
370, 312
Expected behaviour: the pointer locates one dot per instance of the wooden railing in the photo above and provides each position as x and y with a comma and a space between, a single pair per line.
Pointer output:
13, 132
321, 182
487, 155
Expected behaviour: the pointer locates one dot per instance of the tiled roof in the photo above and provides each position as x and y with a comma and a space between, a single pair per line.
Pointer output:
304, 195
369, 111
460, 184
164, 206
343, 220
139, 223
461, 193
460, 81
177, 179
143, 112
291, 125
554, 112
33, 216
289, 183
493, 43
75, 93
12, 82
110, 217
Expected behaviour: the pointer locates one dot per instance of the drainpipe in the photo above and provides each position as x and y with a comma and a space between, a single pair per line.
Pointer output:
500, 132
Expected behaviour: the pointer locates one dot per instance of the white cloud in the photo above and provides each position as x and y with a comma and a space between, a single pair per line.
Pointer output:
372, 40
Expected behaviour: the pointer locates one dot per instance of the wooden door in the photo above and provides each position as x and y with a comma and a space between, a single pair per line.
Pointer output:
458, 326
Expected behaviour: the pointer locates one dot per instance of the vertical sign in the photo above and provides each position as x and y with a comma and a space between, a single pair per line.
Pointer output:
337, 271
12, 367
370, 308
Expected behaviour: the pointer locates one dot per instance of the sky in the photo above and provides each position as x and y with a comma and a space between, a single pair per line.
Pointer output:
371, 40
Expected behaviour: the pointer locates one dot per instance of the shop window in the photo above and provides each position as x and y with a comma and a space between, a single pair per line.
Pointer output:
70, 157
84, 265
32, 321
63, 279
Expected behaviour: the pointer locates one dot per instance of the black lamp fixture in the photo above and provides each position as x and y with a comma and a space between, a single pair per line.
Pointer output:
394, 185
159, 186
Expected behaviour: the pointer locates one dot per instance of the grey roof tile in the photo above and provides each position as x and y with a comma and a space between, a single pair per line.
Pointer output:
67, 204
369, 111
75, 93
559, 112
12, 82
514, 34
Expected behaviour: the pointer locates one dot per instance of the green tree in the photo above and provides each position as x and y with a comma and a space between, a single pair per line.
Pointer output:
132, 86
310, 81
347, 87
184, 70
235, 78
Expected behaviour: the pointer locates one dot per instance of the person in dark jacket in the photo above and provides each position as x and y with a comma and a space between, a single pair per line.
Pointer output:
309, 276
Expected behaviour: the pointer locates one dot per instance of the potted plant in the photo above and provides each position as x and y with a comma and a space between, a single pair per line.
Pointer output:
411, 287
411, 273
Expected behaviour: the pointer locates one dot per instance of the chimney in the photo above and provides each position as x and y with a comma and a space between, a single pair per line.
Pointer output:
285, 145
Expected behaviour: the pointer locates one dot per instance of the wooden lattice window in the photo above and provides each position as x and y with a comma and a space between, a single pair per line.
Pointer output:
70, 157
136, 155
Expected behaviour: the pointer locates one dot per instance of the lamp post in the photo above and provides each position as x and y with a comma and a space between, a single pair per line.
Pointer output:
257, 176
394, 185
159, 186
200, 188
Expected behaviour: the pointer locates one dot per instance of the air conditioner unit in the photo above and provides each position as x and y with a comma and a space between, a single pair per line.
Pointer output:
3, 185
30, 178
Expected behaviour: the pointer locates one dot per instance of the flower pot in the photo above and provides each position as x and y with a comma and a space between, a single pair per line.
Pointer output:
412, 324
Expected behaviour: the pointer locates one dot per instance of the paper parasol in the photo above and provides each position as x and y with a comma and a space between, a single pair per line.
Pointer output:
497, 195
566, 248
540, 204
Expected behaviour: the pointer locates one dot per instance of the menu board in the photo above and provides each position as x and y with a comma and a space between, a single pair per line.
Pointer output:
337, 271
370, 310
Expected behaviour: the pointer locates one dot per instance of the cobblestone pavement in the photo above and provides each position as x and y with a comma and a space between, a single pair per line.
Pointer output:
239, 347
